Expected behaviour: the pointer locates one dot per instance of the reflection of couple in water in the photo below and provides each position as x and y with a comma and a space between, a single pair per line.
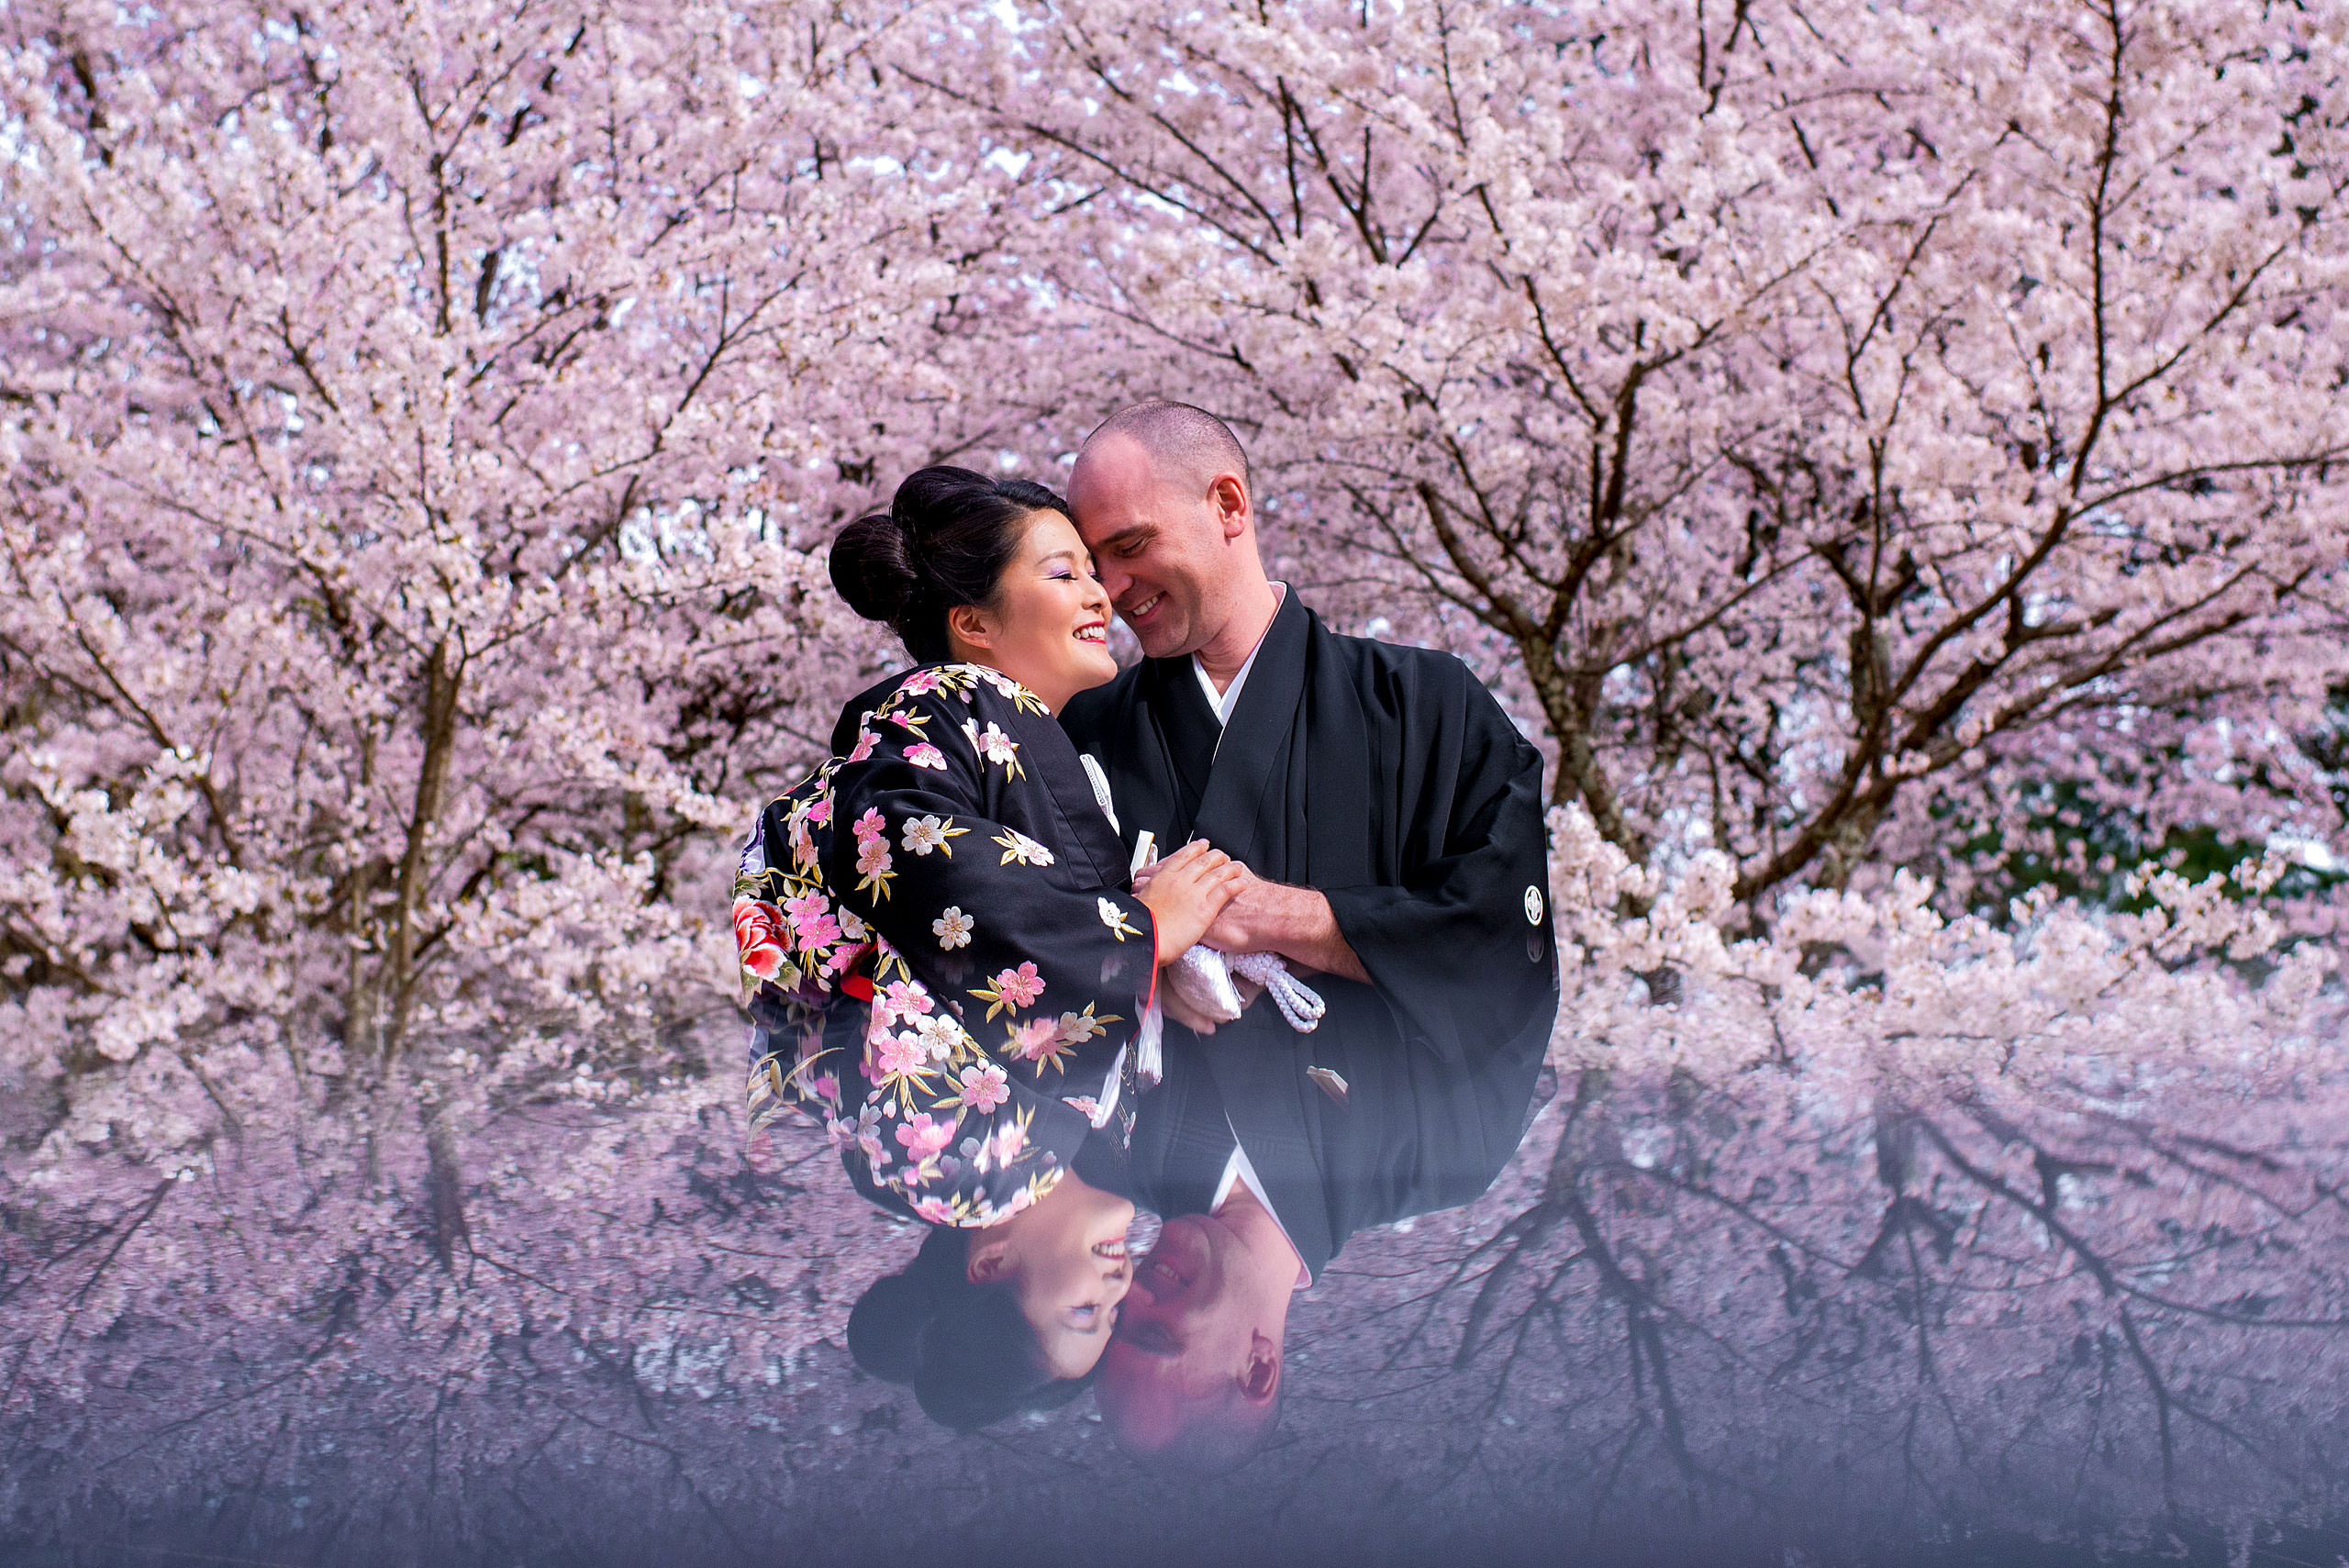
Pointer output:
969, 964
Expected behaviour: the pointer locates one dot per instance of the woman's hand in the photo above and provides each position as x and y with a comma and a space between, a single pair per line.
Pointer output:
1186, 892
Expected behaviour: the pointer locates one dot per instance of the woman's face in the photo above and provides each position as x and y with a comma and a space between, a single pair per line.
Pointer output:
1065, 1261
1049, 626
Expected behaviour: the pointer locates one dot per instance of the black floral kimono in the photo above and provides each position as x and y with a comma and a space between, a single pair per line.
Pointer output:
945, 965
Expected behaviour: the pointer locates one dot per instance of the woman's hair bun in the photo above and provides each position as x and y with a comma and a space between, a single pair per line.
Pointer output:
943, 543
966, 1350
873, 567
885, 1328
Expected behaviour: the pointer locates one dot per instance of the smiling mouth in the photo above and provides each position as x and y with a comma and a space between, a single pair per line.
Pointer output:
1145, 606
1097, 633
1113, 1252
1161, 1280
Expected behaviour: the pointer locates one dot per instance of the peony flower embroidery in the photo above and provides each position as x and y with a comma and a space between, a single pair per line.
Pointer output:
758, 933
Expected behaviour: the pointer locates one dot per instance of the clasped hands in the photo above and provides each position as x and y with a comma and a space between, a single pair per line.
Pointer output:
1201, 894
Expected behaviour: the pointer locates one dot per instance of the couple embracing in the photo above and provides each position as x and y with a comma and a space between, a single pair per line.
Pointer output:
1016, 1022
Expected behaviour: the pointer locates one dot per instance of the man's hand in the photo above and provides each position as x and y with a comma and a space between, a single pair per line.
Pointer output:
1170, 1002
1294, 922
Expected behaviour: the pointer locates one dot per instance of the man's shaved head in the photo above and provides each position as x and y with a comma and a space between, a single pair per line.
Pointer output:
1160, 493
1187, 446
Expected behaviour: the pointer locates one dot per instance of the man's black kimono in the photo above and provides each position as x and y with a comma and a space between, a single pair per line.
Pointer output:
1390, 780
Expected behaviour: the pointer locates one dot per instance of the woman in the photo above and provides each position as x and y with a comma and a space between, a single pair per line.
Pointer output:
949, 967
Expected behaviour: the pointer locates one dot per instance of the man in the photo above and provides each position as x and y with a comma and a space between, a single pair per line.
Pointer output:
1392, 817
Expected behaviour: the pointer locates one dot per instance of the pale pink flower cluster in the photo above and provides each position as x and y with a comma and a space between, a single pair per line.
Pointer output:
1889, 435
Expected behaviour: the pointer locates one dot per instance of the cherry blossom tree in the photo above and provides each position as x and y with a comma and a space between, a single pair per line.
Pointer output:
419, 425
1834, 420
1859, 437
422, 429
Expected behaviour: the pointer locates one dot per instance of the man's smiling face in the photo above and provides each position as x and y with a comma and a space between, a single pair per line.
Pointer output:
1161, 545
1189, 1352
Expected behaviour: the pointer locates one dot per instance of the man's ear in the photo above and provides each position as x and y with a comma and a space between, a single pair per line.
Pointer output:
1230, 498
972, 624
988, 1261
1260, 1376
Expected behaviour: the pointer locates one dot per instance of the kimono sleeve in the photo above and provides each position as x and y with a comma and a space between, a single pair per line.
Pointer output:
1463, 951
1039, 965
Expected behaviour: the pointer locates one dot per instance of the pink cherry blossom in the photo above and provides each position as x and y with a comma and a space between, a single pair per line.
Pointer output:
985, 1087
898, 1054
812, 925
903, 1001
925, 1138
1036, 1039
413, 578
1019, 986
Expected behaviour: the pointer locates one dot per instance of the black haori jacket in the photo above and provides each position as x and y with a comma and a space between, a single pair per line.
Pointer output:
1389, 779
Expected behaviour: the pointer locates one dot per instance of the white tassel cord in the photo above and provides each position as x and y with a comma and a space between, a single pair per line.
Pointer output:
1300, 1002
1202, 977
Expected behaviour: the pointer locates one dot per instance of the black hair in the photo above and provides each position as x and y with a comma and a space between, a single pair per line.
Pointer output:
943, 543
969, 1355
